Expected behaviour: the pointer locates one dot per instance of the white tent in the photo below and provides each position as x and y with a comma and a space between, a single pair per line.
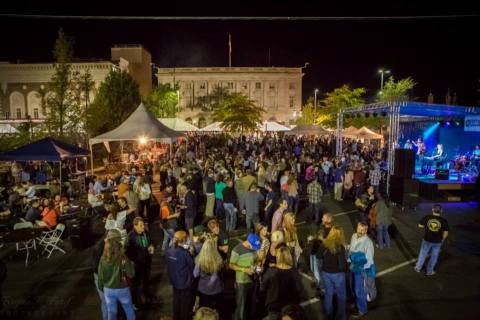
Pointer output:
365, 133
140, 124
213, 127
272, 126
178, 124
6, 128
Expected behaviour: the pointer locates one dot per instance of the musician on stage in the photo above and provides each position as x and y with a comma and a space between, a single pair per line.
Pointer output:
408, 145
476, 157
438, 153
421, 149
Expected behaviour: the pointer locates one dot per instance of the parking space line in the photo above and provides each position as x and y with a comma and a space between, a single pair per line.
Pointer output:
398, 266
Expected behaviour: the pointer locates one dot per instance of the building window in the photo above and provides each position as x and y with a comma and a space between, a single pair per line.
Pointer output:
19, 113
230, 85
7, 115
258, 85
292, 86
188, 85
291, 102
202, 85
272, 86
244, 86
35, 113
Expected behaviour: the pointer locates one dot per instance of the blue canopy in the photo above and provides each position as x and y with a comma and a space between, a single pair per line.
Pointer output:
46, 149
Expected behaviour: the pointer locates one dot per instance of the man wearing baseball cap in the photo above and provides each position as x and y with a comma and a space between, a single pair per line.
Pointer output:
242, 261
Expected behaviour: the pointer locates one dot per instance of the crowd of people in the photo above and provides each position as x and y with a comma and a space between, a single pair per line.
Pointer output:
216, 187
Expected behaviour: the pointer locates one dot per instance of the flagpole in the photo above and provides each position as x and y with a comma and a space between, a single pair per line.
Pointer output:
229, 50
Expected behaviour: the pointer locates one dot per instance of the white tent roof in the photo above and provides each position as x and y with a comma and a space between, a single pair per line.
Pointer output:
213, 127
272, 126
362, 133
141, 123
350, 129
6, 128
178, 124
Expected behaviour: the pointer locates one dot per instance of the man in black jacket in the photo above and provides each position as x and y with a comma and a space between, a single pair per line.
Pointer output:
139, 249
190, 209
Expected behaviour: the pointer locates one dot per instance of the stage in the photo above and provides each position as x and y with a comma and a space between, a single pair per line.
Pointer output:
450, 190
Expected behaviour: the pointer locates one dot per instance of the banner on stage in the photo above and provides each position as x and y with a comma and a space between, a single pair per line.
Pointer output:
472, 123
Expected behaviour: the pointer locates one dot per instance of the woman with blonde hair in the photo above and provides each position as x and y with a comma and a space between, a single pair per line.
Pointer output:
281, 284
334, 267
277, 240
291, 236
208, 266
114, 274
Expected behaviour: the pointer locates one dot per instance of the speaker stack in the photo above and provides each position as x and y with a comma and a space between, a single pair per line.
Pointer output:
403, 189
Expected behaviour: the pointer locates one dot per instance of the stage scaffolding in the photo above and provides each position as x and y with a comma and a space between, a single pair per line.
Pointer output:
394, 110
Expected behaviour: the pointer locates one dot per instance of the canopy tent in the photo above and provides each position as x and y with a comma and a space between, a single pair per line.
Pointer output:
350, 129
213, 127
308, 129
178, 124
140, 124
46, 149
365, 133
272, 126
6, 128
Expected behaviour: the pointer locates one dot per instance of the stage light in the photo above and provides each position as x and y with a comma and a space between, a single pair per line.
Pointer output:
430, 130
142, 140
447, 123
384, 113
375, 114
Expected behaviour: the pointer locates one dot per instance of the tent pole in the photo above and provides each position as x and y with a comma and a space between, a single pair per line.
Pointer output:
60, 163
91, 158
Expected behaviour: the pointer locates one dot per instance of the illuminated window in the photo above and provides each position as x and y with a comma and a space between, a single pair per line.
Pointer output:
258, 85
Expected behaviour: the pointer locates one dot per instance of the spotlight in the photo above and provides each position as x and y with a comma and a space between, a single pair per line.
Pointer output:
375, 114
384, 113
447, 123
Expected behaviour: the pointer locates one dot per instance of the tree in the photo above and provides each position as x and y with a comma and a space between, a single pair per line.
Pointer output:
237, 113
396, 91
117, 97
57, 104
163, 101
214, 99
308, 114
340, 98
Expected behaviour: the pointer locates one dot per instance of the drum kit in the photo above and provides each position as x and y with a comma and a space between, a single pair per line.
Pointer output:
465, 163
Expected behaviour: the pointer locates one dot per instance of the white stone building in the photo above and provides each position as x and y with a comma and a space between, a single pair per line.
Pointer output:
20, 82
277, 90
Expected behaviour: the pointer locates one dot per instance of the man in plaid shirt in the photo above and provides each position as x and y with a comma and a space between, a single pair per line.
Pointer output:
314, 191
374, 177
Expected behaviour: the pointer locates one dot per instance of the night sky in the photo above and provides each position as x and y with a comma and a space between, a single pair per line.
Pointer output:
438, 54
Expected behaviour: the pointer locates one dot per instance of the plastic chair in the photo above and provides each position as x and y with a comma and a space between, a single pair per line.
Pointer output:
53, 241
27, 244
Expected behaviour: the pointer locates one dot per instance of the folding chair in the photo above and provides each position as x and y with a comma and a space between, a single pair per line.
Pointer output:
27, 244
54, 240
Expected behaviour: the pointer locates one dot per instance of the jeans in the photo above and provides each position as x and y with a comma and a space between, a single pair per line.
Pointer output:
315, 211
316, 267
219, 211
167, 238
183, 301
251, 220
231, 216
242, 297
383, 237
141, 282
359, 290
112, 296
292, 203
338, 191
210, 204
102, 298
424, 250
143, 208
335, 285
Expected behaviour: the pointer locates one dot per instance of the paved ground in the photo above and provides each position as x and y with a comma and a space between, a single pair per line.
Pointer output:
62, 287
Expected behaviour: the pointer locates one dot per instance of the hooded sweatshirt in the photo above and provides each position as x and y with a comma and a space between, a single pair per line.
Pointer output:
365, 245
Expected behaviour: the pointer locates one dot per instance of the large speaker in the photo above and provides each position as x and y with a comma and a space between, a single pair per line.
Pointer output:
404, 163
403, 191
80, 233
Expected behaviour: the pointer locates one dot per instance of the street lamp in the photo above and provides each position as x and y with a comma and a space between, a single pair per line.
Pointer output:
381, 71
315, 100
